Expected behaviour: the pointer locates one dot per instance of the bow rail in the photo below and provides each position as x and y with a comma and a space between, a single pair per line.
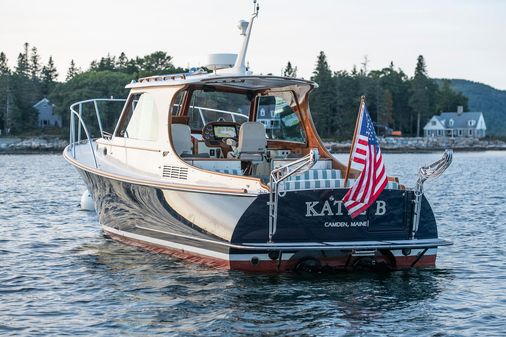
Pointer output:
76, 116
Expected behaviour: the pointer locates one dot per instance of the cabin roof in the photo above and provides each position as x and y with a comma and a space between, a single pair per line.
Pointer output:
247, 82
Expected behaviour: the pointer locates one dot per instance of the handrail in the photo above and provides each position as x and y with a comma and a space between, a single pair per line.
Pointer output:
425, 173
76, 139
76, 110
279, 175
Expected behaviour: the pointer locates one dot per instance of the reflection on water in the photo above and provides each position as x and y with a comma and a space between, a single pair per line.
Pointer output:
58, 275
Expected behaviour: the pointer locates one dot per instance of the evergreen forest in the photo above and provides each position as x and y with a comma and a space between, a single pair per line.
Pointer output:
396, 100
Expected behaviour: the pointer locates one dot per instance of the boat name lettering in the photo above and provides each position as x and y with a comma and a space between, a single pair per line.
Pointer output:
336, 207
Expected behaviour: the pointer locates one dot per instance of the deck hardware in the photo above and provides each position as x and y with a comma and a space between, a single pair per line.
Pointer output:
425, 173
280, 174
406, 251
370, 252
273, 254
419, 256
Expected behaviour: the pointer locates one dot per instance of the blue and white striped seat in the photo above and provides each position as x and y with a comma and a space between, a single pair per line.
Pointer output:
314, 184
236, 172
318, 175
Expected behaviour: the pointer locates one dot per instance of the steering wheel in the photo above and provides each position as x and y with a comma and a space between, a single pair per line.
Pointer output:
225, 140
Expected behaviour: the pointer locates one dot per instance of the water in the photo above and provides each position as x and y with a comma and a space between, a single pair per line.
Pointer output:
59, 276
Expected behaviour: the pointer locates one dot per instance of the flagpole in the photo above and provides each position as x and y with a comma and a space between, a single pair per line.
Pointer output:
352, 148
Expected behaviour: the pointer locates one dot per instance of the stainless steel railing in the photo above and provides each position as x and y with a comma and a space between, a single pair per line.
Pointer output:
425, 173
76, 114
279, 175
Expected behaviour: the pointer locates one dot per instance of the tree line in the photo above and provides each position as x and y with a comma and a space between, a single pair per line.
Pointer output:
394, 99
30, 81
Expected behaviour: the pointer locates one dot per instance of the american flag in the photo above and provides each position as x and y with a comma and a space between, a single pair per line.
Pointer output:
367, 155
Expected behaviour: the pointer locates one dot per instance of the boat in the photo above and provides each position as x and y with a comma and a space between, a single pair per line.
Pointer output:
225, 167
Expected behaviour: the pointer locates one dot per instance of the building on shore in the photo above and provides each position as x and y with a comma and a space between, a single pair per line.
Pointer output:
456, 124
46, 117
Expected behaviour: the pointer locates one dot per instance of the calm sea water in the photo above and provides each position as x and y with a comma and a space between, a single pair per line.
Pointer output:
60, 276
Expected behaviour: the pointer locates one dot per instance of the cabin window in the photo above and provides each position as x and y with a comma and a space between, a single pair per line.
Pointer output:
178, 103
210, 106
276, 113
141, 121
471, 122
433, 123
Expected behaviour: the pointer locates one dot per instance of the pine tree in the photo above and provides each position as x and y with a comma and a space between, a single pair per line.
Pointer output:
122, 62
23, 68
289, 71
323, 101
34, 64
420, 100
73, 71
107, 63
49, 75
4, 67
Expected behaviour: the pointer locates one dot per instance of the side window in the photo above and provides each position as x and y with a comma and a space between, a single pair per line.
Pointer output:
178, 103
276, 113
142, 119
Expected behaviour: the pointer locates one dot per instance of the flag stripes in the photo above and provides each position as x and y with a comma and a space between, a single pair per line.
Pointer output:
373, 179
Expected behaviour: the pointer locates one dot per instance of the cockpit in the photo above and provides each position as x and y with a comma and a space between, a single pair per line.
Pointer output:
241, 132
238, 125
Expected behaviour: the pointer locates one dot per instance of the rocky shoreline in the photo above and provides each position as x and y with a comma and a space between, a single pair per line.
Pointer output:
421, 144
32, 145
388, 145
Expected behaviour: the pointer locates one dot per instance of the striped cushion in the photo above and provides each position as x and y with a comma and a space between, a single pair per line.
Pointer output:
318, 175
313, 184
230, 171
317, 184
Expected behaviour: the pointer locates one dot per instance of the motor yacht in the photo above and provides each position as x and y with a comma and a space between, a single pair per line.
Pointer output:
225, 167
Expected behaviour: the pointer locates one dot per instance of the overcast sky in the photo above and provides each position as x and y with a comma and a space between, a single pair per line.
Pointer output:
459, 39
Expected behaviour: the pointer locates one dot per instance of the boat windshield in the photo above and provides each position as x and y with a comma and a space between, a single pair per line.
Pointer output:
276, 113
210, 106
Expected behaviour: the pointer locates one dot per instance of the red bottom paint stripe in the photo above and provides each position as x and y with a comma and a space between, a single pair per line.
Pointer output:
272, 266
190, 256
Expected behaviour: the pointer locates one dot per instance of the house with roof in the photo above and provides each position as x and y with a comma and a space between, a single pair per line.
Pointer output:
456, 124
46, 117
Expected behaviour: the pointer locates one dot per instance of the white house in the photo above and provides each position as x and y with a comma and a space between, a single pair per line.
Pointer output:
46, 117
456, 124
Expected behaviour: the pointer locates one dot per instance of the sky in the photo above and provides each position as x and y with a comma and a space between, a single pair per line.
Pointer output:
459, 38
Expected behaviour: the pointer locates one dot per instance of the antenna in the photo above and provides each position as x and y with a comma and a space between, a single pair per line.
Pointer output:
245, 27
